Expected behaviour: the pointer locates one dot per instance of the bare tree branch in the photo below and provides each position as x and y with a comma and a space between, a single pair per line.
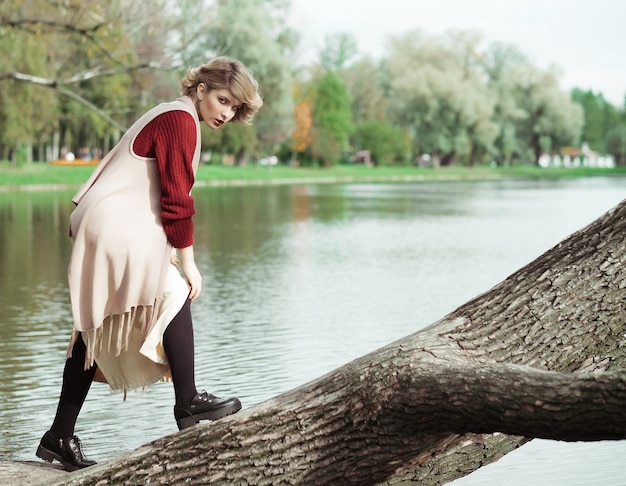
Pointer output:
30, 25
29, 78
59, 26
88, 104
99, 71
60, 84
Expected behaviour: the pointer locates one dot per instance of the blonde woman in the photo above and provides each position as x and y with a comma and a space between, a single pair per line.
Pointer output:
132, 221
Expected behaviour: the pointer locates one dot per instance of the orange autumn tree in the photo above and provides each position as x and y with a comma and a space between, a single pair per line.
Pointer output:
301, 137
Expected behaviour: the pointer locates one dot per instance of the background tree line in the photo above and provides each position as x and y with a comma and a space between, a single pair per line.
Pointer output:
74, 74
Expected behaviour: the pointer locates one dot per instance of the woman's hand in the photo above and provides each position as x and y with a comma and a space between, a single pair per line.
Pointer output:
194, 278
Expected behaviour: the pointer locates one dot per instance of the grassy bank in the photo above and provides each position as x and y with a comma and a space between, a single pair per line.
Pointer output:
45, 176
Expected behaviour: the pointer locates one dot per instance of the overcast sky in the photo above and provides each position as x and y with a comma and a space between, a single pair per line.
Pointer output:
586, 39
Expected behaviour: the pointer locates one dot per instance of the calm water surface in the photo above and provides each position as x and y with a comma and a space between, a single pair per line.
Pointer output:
298, 281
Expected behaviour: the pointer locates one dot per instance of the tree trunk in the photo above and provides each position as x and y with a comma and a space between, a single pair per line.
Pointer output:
242, 158
539, 355
448, 158
56, 146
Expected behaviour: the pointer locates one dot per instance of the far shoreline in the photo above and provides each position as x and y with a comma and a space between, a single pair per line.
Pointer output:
41, 177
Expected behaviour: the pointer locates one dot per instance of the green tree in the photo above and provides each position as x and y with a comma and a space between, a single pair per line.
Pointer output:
437, 92
551, 120
233, 142
616, 143
27, 112
385, 143
365, 82
80, 126
337, 51
600, 119
90, 65
332, 122
500, 63
255, 32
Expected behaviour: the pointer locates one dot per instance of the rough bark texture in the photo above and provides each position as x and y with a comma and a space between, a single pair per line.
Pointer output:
539, 355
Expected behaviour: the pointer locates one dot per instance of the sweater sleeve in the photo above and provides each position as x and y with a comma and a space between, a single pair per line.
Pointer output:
171, 139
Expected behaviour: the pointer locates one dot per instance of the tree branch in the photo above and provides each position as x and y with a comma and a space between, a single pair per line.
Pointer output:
59, 26
512, 399
88, 32
60, 85
88, 104
362, 422
396, 412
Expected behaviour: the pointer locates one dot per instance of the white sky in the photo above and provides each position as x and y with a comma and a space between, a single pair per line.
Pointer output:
586, 39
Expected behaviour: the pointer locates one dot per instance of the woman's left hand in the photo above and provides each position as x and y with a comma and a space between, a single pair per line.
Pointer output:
194, 278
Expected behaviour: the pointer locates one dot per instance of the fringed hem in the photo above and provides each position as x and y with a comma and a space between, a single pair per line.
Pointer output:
136, 387
113, 335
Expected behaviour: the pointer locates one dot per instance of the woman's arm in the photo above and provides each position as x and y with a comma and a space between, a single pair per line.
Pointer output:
171, 140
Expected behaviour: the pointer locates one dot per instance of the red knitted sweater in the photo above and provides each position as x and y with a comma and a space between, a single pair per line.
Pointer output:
171, 139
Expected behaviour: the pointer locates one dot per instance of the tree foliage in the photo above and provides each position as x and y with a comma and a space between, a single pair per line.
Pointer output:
366, 82
337, 51
602, 122
550, 119
254, 32
332, 122
387, 144
81, 60
26, 113
238, 141
76, 74
437, 92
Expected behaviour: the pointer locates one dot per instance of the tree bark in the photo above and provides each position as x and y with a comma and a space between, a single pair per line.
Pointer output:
539, 355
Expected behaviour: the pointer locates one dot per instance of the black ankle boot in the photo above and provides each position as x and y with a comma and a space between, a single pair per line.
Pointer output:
204, 406
68, 452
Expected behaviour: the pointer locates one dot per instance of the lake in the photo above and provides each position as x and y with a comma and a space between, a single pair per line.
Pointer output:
298, 280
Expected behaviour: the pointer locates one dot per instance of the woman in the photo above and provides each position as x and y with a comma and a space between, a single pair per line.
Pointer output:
133, 219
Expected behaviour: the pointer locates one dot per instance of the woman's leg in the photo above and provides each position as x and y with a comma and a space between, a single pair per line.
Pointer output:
76, 384
59, 442
179, 348
191, 406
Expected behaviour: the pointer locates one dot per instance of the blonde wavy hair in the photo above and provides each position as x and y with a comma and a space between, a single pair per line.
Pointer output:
227, 73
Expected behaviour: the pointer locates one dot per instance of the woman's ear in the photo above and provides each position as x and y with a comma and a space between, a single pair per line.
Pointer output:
200, 90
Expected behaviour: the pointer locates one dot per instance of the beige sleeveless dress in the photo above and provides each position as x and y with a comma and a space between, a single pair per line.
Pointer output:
123, 289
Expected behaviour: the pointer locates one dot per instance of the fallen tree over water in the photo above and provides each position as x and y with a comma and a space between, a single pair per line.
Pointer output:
540, 355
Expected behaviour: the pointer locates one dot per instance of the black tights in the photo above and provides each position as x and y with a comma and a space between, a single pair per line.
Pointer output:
179, 348
178, 345
76, 383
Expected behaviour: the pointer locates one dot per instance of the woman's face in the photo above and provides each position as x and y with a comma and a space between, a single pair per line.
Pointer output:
216, 106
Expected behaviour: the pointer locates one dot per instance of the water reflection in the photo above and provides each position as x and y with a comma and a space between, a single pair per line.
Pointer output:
298, 281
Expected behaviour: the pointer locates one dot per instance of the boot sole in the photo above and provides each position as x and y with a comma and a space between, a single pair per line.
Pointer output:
192, 420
